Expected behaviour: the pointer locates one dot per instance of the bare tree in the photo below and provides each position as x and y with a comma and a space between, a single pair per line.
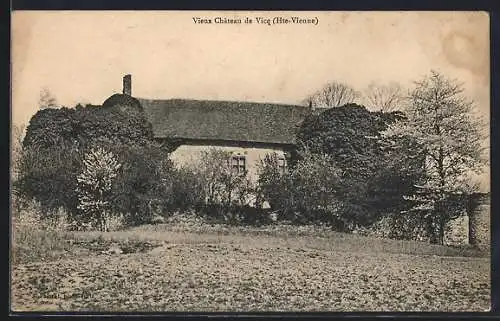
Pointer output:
333, 94
16, 148
385, 98
46, 99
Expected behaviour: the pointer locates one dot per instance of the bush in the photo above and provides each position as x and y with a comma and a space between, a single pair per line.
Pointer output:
49, 176
305, 193
316, 182
396, 226
53, 149
185, 188
274, 185
30, 214
36, 235
116, 222
222, 184
30, 245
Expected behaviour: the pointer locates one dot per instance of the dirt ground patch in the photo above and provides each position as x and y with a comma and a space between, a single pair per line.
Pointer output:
244, 273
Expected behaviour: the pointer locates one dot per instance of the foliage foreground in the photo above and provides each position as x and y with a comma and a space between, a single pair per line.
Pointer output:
164, 268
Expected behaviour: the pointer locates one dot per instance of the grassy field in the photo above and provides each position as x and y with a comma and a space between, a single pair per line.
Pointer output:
172, 268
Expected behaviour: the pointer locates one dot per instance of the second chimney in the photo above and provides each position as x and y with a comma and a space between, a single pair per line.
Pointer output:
127, 85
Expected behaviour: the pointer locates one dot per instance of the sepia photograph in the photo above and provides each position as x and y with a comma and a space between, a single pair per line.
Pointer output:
250, 161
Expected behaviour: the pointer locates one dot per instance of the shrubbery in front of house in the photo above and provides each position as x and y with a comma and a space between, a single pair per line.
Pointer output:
352, 169
307, 192
48, 174
320, 185
343, 173
53, 156
374, 177
218, 190
36, 235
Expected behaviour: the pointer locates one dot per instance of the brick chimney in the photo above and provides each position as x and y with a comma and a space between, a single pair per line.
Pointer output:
127, 85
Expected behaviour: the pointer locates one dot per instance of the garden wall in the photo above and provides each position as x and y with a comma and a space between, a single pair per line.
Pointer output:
480, 218
473, 228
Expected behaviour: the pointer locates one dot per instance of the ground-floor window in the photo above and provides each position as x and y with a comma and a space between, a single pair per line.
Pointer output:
238, 164
281, 164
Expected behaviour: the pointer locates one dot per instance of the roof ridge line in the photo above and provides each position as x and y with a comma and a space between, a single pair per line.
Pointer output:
222, 101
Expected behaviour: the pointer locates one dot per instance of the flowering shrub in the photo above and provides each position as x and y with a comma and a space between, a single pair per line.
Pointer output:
95, 185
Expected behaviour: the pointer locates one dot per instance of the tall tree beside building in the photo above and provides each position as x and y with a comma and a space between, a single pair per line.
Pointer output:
373, 179
442, 120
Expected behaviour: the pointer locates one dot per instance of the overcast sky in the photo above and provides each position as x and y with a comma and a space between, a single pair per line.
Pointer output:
82, 56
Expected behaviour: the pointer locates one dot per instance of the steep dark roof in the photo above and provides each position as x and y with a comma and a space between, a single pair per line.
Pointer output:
224, 120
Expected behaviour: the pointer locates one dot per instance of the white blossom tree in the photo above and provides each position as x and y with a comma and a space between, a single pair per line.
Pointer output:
95, 185
441, 120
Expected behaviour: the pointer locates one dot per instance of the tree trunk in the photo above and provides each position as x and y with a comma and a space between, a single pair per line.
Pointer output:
433, 239
441, 231
440, 216
104, 222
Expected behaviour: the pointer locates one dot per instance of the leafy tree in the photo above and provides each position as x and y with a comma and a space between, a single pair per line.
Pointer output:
90, 124
223, 183
50, 127
48, 174
333, 94
185, 189
350, 133
442, 122
95, 185
57, 138
223, 188
351, 136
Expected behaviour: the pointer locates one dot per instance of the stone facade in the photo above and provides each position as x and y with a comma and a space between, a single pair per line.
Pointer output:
190, 154
457, 231
474, 227
480, 218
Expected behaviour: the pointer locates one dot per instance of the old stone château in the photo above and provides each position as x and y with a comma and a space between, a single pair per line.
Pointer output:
247, 130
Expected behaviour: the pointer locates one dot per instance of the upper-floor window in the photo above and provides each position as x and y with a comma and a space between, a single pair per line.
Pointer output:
238, 164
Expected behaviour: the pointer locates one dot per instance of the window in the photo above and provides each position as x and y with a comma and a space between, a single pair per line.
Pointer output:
238, 164
281, 164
